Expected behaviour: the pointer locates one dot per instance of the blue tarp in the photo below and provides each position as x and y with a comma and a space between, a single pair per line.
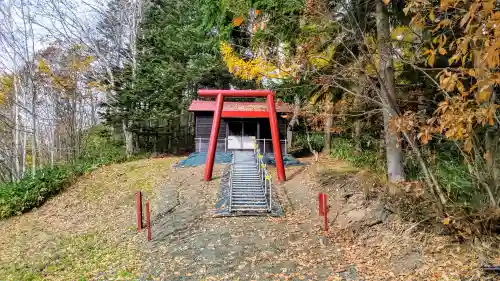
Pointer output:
198, 158
288, 160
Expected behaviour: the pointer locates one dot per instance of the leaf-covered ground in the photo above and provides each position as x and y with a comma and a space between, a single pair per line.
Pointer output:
88, 232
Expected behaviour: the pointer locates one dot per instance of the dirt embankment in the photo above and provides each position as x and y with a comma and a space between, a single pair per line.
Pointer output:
385, 240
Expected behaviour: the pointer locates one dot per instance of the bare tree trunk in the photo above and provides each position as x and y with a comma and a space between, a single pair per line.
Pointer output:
490, 146
316, 155
356, 130
394, 154
129, 140
23, 161
429, 176
73, 121
52, 147
328, 124
294, 121
137, 148
93, 114
490, 137
34, 143
357, 136
15, 155
30, 85
135, 19
328, 134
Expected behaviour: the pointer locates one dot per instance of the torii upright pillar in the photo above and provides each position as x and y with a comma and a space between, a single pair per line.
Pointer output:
214, 134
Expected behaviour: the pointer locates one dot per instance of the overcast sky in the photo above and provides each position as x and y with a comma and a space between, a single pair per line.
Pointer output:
52, 19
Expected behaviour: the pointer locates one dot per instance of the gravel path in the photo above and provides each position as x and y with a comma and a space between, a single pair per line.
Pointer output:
190, 243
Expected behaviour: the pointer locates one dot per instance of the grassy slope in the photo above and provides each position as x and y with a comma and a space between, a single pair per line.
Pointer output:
85, 232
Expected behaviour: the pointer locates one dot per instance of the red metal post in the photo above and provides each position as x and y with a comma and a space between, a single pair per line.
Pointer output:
325, 210
212, 146
148, 220
139, 210
273, 120
320, 200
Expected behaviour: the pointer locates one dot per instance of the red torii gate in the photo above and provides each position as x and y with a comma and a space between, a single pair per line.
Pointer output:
271, 114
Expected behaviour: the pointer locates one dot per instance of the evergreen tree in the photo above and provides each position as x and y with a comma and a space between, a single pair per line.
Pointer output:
176, 56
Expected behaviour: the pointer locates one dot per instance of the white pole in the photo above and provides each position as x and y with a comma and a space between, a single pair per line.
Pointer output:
264, 146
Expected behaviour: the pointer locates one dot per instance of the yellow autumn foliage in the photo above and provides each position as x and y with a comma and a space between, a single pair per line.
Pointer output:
403, 33
323, 58
79, 64
66, 81
6, 84
43, 67
252, 69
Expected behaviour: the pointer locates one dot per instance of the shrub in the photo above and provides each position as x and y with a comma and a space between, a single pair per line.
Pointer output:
33, 190
451, 172
300, 143
98, 148
344, 149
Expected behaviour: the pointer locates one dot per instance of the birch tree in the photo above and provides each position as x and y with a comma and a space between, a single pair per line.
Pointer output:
110, 34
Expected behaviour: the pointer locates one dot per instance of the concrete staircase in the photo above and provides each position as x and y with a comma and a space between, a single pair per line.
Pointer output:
248, 185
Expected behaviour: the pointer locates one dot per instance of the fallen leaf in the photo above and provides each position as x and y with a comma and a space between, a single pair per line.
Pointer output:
237, 21
446, 221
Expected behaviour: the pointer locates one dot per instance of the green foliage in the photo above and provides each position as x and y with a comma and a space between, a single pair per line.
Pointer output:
284, 23
98, 149
301, 143
179, 55
457, 181
32, 191
451, 172
343, 148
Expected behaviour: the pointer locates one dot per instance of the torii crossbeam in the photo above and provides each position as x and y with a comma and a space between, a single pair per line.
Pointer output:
214, 134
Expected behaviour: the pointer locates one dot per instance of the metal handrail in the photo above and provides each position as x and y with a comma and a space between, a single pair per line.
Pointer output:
263, 174
231, 184
263, 141
198, 142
